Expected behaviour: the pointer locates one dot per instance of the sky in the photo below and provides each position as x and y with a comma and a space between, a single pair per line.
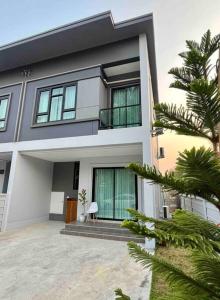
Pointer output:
174, 22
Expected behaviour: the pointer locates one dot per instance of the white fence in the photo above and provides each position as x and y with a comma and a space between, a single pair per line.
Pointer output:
3, 198
202, 208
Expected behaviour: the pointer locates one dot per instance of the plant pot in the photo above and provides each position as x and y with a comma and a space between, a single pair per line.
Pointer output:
82, 218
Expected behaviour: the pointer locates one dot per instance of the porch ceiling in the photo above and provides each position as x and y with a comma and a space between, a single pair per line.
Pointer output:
74, 154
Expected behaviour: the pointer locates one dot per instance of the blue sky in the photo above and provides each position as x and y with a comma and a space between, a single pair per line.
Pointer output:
27, 17
174, 22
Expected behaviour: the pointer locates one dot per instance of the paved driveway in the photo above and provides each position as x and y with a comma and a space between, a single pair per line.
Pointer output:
39, 263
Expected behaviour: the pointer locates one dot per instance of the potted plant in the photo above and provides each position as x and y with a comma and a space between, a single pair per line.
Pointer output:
83, 201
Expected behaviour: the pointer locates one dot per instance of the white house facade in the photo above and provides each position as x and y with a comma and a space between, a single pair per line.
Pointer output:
76, 106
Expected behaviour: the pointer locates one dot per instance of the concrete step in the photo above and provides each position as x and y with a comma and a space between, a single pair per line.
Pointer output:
99, 228
100, 235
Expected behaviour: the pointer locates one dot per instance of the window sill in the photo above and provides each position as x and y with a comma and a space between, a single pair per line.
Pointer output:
62, 122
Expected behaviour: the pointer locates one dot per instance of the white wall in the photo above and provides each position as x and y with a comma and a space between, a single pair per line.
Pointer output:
30, 191
90, 94
86, 173
201, 207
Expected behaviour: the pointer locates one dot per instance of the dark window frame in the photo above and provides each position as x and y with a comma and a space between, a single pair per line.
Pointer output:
76, 175
93, 190
5, 119
47, 113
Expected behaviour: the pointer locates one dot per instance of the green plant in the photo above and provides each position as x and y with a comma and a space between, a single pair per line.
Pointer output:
198, 78
83, 200
197, 173
188, 231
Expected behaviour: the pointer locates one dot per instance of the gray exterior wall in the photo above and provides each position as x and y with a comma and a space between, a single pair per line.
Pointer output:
101, 55
82, 67
8, 135
87, 107
63, 173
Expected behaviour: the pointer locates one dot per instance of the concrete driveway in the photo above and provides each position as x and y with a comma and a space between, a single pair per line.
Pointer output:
38, 263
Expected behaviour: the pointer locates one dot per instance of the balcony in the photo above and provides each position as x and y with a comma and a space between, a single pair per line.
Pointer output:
120, 117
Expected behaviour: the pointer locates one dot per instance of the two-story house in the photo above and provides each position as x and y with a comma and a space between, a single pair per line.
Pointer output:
75, 108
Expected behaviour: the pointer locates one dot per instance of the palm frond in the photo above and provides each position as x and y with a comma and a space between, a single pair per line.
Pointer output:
201, 169
204, 100
168, 181
181, 120
183, 230
173, 275
120, 295
207, 268
192, 222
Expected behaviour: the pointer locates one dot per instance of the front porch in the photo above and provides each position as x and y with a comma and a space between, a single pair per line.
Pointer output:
101, 230
48, 178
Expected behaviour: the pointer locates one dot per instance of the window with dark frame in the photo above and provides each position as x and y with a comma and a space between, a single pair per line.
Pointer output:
4, 102
56, 103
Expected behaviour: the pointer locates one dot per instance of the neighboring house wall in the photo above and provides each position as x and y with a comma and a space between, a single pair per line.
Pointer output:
14, 91
202, 208
6, 177
2, 176
30, 191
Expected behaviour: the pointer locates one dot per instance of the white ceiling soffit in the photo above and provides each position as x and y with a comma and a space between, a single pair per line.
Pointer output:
65, 155
122, 69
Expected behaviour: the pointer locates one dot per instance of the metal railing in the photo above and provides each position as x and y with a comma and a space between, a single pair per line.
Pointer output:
120, 117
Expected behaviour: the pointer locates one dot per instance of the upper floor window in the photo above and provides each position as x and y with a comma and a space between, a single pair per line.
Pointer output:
125, 108
4, 102
57, 103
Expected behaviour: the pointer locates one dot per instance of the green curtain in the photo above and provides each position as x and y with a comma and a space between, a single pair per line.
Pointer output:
3, 108
70, 96
104, 188
56, 108
115, 191
133, 113
44, 102
125, 196
119, 114
126, 116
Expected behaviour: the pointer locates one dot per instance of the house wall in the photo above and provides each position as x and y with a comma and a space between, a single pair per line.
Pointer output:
63, 174
83, 68
30, 191
86, 174
87, 107
92, 57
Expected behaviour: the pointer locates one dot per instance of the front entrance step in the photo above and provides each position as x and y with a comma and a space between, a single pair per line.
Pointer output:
109, 231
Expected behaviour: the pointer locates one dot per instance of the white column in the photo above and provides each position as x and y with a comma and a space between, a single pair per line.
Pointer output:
148, 189
29, 191
10, 184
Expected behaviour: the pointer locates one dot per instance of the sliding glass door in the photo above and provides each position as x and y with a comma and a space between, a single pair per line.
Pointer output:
115, 189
